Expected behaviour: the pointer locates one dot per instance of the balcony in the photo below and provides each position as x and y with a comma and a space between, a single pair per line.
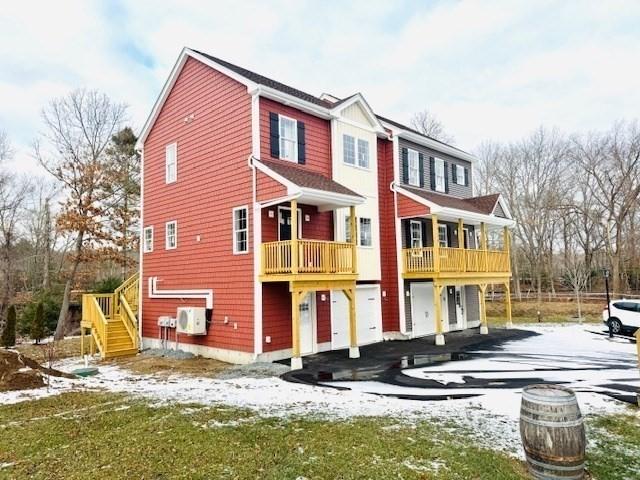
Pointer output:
455, 262
315, 260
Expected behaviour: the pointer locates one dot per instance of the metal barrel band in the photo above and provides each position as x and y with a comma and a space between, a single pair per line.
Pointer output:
547, 414
542, 423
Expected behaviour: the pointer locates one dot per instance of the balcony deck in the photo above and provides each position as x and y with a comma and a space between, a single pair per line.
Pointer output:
456, 263
317, 260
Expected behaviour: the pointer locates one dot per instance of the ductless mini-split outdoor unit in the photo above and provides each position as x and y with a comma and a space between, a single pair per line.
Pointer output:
191, 321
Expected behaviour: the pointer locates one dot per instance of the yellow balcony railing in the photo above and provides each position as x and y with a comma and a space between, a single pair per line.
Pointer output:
455, 260
313, 256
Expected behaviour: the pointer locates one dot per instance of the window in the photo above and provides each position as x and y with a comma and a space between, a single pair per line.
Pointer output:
365, 232
439, 174
460, 178
414, 168
147, 242
240, 230
347, 229
443, 239
363, 153
171, 163
288, 139
171, 235
349, 149
629, 306
416, 234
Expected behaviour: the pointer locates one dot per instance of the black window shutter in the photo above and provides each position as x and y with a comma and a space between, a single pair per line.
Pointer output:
446, 177
432, 172
466, 177
274, 134
424, 232
407, 233
449, 235
421, 168
454, 173
301, 144
405, 165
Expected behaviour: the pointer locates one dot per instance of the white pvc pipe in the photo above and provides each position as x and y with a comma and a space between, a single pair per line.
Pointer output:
207, 295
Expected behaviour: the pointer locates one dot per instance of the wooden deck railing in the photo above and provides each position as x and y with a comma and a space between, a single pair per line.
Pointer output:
314, 256
93, 312
455, 260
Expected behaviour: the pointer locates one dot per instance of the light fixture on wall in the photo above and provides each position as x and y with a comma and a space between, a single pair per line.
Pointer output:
307, 217
272, 214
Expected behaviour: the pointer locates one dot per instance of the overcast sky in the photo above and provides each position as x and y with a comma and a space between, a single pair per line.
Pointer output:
488, 69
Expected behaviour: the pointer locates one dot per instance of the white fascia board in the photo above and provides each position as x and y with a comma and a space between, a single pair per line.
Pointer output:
292, 188
358, 98
171, 80
421, 140
291, 101
330, 199
477, 217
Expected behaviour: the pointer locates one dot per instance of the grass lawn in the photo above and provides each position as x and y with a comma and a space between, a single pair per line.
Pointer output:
550, 312
81, 435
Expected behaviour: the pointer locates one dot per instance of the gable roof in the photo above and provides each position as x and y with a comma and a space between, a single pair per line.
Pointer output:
483, 205
268, 82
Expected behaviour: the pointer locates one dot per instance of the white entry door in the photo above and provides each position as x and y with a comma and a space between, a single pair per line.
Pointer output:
307, 324
461, 311
368, 317
422, 314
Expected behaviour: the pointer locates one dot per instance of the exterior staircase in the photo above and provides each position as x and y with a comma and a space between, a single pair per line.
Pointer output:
110, 321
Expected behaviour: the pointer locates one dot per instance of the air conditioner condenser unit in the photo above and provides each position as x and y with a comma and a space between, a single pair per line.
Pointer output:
191, 321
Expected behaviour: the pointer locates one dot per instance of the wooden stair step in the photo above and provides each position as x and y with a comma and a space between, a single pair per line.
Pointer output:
120, 352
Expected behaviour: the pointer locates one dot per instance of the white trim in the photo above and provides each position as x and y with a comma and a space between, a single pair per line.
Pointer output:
505, 208
422, 240
417, 158
205, 294
359, 98
444, 227
422, 140
257, 228
234, 231
359, 220
437, 164
166, 234
140, 254
295, 141
144, 239
460, 179
168, 148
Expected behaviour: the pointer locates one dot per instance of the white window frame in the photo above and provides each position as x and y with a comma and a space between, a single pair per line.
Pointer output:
282, 138
347, 228
360, 153
171, 149
361, 230
147, 243
236, 231
167, 245
413, 167
443, 243
416, 241
460, 175
440, 173
351, 150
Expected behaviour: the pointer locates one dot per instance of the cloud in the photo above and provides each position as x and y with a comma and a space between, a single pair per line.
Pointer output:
493, 69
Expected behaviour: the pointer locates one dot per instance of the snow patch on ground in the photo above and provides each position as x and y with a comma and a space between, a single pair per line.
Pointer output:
492, 416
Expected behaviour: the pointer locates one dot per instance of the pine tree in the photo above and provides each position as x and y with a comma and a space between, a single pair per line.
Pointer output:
9, 333
37, 327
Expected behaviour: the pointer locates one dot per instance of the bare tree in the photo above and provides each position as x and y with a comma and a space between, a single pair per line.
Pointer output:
79, 129
611, 162
428, 124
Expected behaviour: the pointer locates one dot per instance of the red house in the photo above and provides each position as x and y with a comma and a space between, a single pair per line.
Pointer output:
277, 224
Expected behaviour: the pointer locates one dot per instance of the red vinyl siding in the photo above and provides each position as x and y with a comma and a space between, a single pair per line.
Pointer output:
388, 260
317, 136
268, 188
408, 208
213, 177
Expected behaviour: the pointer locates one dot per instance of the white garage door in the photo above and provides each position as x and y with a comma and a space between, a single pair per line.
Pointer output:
368, 317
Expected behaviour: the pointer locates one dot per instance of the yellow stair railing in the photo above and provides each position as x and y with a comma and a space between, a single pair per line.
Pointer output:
112, 320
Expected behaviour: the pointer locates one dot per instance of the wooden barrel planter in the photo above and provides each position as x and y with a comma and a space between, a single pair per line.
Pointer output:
552, 432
